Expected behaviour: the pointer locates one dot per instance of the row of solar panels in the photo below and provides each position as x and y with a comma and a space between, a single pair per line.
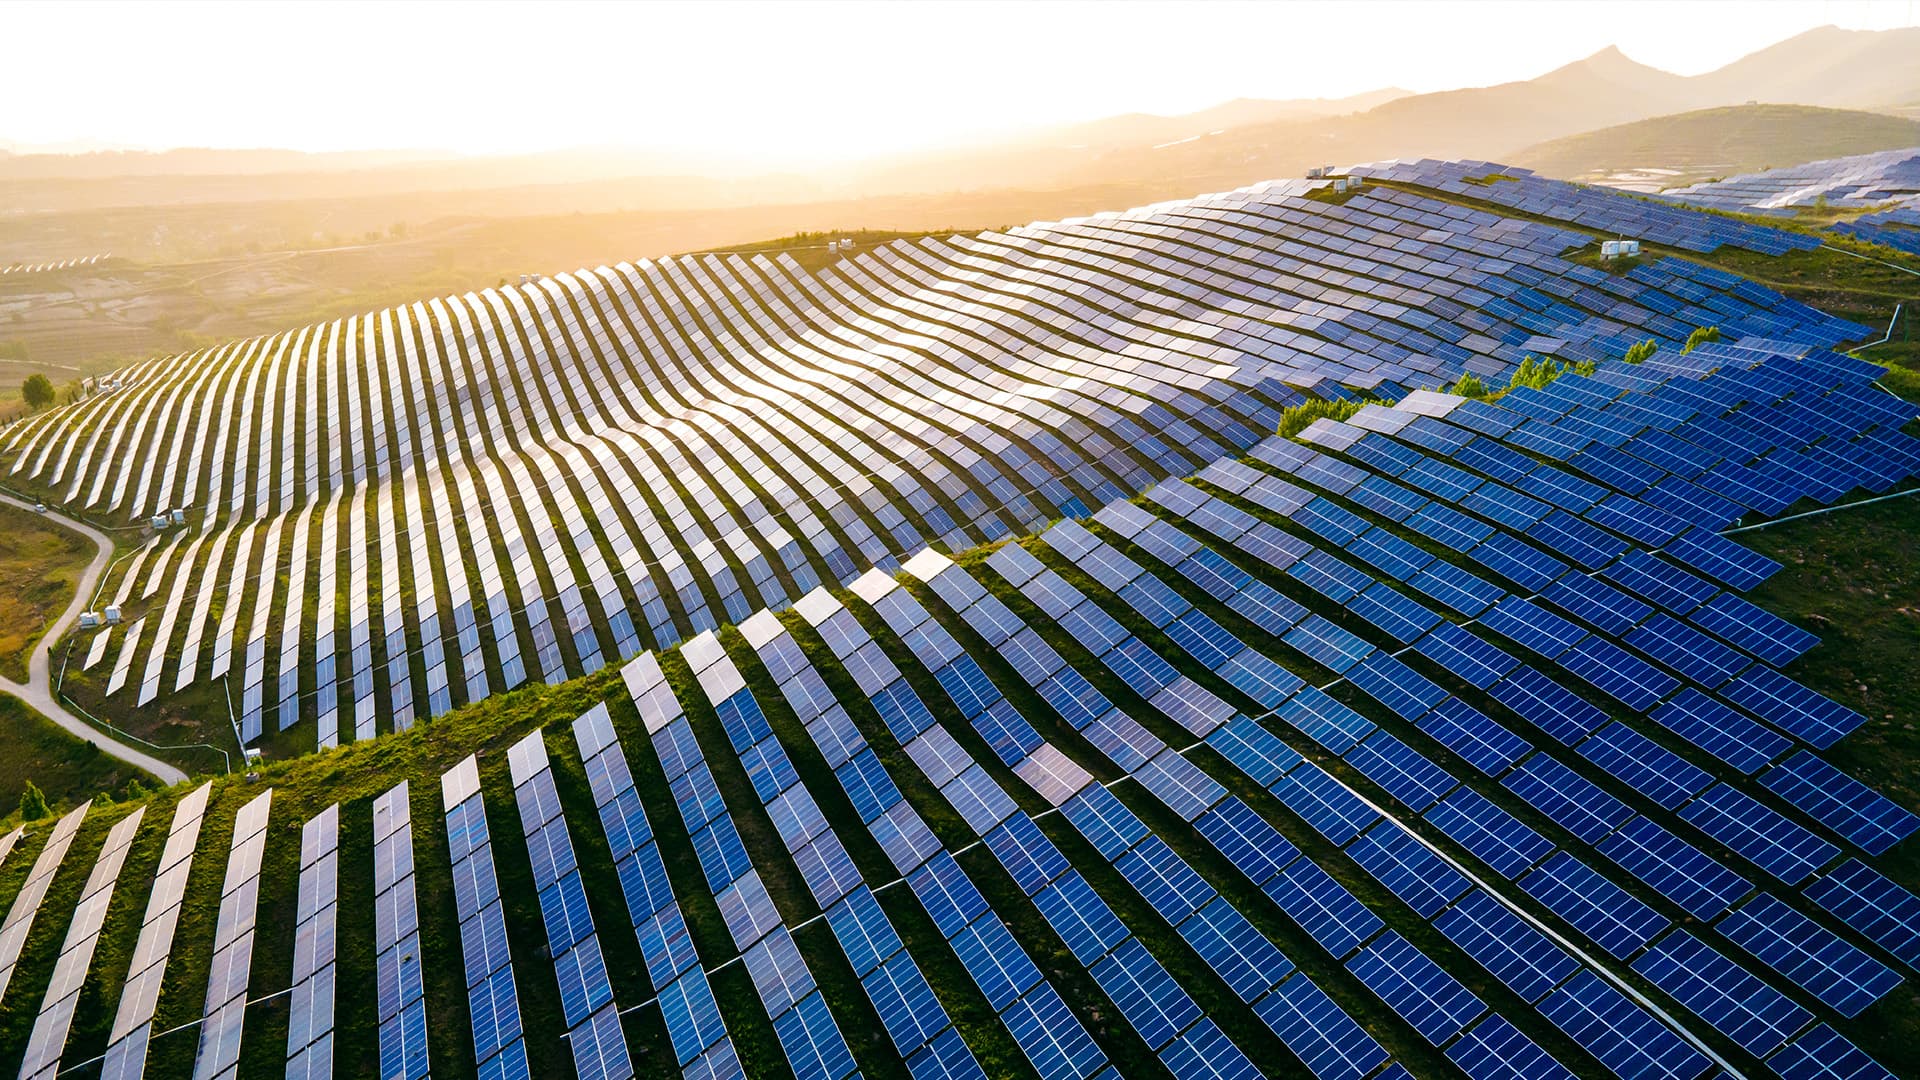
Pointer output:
1858, 180
1386, 965
1059, 265
1600, 209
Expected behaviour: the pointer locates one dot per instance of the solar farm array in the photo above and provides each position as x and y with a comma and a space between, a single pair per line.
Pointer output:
1862, 180
39, 268
396, 513
1897, 228
1439, 742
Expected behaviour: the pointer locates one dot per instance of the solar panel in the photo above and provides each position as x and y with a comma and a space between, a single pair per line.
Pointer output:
1825, 1054
1319, 1031
1624, 1037
223, 1017
1644, 765
1721, 731
1414, 986
50, 1026
1676, 869
1862, 898
1722, 993
1598, 908
1791, 707
1479, 739
1323, 907
1547, 705
1760, 833
125, 1057
1498, 838
1866, 818
1514, 952
1572, 801
1841, 976
1496, 1050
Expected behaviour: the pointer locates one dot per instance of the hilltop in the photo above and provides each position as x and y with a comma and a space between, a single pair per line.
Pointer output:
1688, 147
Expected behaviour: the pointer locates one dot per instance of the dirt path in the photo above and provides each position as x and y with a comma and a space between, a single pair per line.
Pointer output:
37, 691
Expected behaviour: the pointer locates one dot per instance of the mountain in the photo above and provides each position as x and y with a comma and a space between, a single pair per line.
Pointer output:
1860, 69
1719, 142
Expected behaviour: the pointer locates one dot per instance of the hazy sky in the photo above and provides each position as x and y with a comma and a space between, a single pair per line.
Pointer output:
796, 81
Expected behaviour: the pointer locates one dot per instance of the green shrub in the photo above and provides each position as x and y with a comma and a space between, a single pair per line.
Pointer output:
33, 805
1701, 337
1638, 354
37, 391
1470, 386
1295, 419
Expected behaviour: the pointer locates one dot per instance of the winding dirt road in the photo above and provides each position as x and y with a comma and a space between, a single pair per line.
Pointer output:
37, 691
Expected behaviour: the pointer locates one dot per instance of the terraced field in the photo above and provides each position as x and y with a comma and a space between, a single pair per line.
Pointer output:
1113, 738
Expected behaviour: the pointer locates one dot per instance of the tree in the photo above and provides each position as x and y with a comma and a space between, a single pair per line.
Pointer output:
33, 805
38, 391
1701, 336
1469, 385
1637, 354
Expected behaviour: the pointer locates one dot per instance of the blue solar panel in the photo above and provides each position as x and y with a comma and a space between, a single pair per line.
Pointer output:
1572, 801
1721, 731
1164, 878
1052, 1037
1862, 815
1253, 749
1334, 812
1825, 1054
1676, 869
1205, 1053
1323, 907
1408, 868
1319, 1032
1327, 575
1686, 650
1551, 707
1623, 1036
1081, 918
1414, 986
1324, 720
1496, 1050
1619, 674
1400, 616
1813, 957
1763, 835
1644, 765
1598, 908
1392, 683
1456, 588
1479, 739
1722, 559
1791, 707
1103, 820
1232, 947
1722, 993
1514, 952
1886, 913
1663, 583
1245, 838
1401, 770
1755, 629
1533, 626
1145, 994
1517, 561
1585, 544
1498, 838
1598, 603
1473, 659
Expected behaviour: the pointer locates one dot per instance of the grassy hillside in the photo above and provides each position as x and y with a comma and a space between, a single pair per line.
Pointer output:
1720, 142
39, 564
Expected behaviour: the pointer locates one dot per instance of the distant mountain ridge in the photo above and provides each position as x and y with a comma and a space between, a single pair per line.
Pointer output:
1720, 142
1226, 146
